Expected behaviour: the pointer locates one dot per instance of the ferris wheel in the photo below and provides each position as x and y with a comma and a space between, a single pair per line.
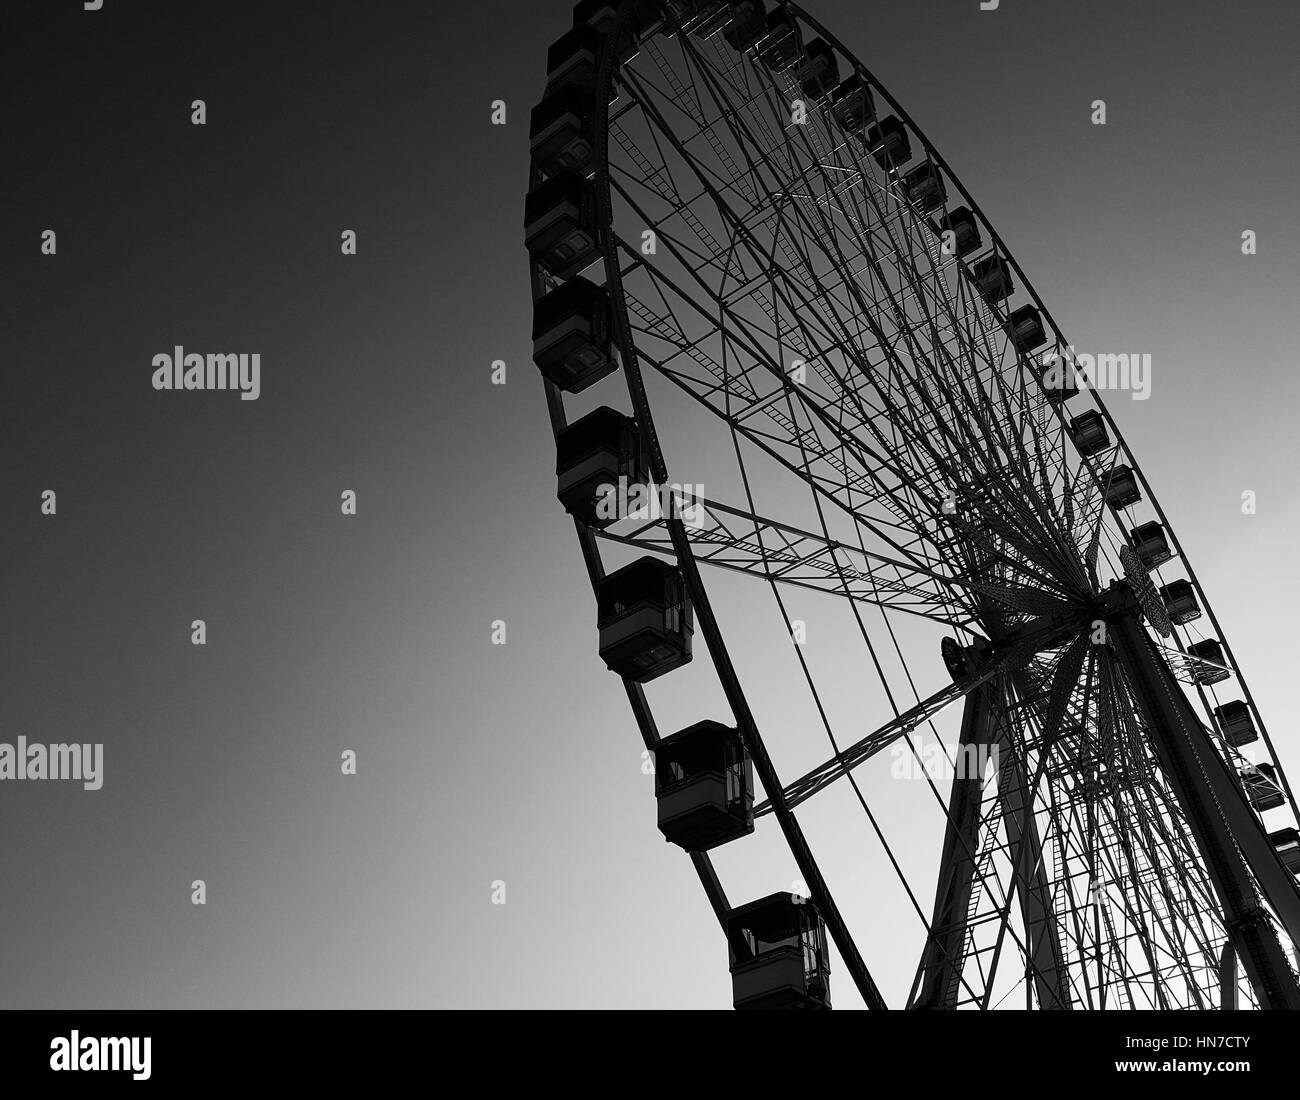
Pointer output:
748, 259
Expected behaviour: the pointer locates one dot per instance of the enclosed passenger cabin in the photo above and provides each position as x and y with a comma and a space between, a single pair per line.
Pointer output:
595, 459
1208, 650
572, 60
888, 142
1287, 844
1122, 488
644, 618
561, 132
1236, 723
925, 188
704, 785
992, 278
1025, 328
646, 18
560, 224
1056, 375
1180, 602
781, 46
818, 72
597, 14
1088, 430
965, 232
1261, 786
748, 24
1151, 544
573, 343
852, 107
789, 966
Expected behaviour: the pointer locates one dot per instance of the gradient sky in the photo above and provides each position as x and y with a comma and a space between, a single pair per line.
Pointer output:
478, 763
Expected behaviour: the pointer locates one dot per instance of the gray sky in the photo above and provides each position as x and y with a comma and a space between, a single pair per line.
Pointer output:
518, 763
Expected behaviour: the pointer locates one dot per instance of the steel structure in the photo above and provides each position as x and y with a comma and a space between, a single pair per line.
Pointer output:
781, 245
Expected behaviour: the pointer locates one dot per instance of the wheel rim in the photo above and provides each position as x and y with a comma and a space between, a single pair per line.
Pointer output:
967, 502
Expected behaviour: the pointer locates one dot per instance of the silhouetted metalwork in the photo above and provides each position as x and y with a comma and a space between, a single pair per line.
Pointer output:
722, 195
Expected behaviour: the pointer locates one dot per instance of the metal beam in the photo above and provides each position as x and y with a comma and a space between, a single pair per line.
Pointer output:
939, 975
1223, 825
748, 728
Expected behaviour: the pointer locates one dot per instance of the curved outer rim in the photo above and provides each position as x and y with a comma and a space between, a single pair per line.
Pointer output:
1117, 435
646, 725
799, 850
640, 402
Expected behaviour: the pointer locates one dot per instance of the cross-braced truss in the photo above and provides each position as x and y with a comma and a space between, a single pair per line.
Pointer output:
784, 281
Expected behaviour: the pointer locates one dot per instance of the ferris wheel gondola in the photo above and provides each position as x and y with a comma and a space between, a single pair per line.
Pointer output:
725, 200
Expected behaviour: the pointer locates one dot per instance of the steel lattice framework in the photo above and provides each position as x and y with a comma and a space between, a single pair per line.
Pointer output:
807, 295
